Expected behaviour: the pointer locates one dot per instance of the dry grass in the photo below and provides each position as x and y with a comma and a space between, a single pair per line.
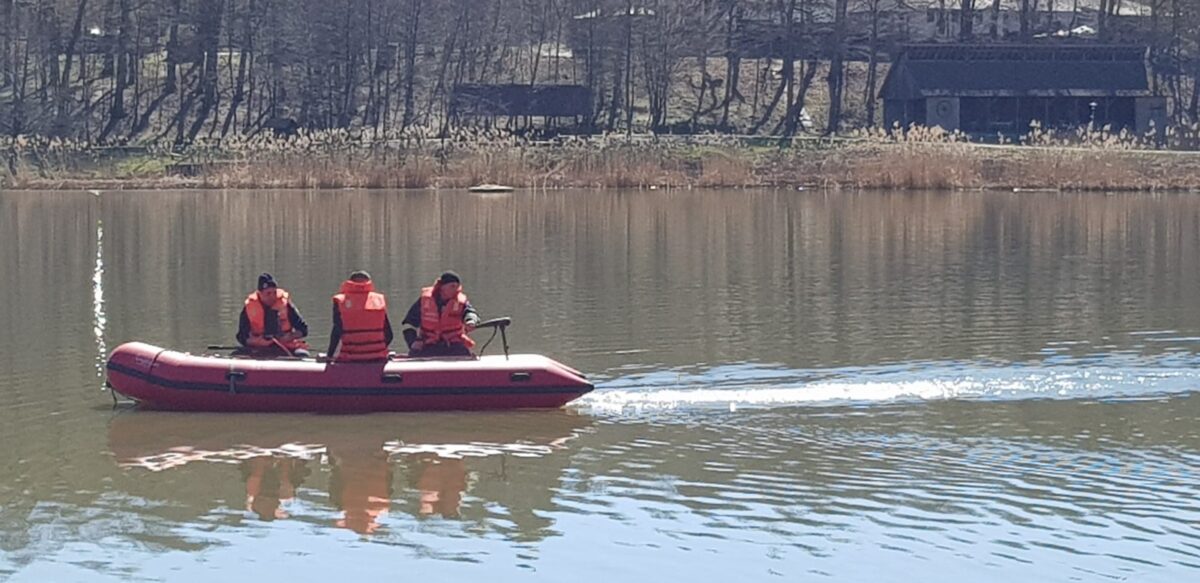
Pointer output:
930, 159
964, 166
919, 159
317, 161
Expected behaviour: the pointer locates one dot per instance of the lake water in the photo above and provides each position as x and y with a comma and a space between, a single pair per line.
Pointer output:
791, 386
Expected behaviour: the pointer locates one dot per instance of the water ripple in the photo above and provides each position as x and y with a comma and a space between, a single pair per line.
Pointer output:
99, 319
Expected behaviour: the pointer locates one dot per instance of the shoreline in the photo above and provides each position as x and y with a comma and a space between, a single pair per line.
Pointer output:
84, 185
670, 165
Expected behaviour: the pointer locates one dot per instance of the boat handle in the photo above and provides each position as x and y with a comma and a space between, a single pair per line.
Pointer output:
520, 377
393, 377
233, 376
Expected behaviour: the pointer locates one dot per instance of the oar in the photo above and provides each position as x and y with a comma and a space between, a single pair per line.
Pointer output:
273, 339
281, 346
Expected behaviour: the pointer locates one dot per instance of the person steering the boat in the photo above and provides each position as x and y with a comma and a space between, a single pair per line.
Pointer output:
441, 319
361, 329
270, 325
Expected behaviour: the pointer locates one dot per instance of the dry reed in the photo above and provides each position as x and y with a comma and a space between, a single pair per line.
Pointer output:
916, 159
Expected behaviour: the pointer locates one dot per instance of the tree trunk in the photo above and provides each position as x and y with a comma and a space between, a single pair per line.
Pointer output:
836, 68
410, 62
705, 5
1102, 22
466, 54
995, 25
540, 42
808, 72
443, 88
594, 81
787, 10
208, 33
966, 22
173, 48
628, 67
733, 64
349, 97
873, 64
1026, 32
117, 112
19, 84
1194, 106
239, 86
7, 62
62, 105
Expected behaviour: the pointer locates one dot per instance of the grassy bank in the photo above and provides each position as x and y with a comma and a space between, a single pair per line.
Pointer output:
921, 161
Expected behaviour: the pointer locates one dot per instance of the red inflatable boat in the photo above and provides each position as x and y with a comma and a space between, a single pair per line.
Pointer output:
164, 379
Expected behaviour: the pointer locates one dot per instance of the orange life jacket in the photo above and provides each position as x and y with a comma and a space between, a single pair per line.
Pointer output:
365, 492
445, 325
256, 312
363, 314
441, 484
268, 485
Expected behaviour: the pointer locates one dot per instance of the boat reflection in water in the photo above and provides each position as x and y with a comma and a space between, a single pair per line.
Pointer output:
421, 464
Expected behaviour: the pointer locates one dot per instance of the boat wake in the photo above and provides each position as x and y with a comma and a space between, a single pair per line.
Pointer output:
765, 386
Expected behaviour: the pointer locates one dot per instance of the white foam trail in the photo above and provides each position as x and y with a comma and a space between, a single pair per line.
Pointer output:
949, 382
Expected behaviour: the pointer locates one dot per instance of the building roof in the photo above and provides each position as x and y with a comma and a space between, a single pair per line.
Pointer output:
1015, 70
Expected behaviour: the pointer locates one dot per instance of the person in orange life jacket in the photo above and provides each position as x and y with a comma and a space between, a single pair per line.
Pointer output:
361, 329
271, 482
441, 483
360, 485
441, 319
270, 324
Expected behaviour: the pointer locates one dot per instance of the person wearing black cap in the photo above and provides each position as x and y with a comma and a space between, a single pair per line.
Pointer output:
441, 320
361, 329
270, 324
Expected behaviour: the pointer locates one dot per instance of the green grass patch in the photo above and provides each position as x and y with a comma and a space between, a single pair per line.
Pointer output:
141, 167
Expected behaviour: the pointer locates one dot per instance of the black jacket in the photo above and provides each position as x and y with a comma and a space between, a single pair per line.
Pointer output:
271, 323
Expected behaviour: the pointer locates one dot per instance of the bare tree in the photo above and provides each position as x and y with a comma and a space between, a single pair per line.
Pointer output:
244, 59
836, 78
663, 43
786, 12
966, 22
1026, 16
873, 10
412, 20
62, 90
629, 16
733, 61
178, 71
